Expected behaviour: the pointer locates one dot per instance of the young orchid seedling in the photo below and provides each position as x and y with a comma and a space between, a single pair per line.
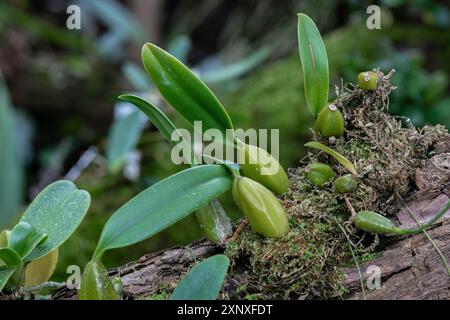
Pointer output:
196, 102
314, 59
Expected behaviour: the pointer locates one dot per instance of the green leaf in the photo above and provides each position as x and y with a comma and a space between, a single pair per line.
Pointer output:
123, 138
4, 277
184, 90
24, 238
158, 118
95, 283
204, 281
11, 164
340, 158
163, 204
57, 211
10, 257
313, 56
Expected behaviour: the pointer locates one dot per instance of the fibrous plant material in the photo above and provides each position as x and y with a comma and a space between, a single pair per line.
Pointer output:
308, 260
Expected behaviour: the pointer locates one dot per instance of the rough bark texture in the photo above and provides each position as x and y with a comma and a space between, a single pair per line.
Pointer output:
410, 267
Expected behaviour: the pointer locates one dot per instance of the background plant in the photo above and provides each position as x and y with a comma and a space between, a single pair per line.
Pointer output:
47, 223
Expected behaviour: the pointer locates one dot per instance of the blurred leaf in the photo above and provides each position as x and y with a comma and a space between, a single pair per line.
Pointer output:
122, 139
56, 211
118, 17
163, 204
112, 44
237, 69
313, 56
179, 47
11, 166
184, 90
341, 159
24, 238
40, 270
439, 113
204, 281
436, 86
136, 76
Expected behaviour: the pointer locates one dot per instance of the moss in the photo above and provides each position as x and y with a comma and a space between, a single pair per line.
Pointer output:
308, 261
162, 294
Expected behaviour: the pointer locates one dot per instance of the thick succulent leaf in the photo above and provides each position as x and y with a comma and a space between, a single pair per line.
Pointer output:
340, 158
313, 56
163, 204
40, 270
57, 211
184, 90
4, 277
122, 139
24, 238
10, 257
204, 281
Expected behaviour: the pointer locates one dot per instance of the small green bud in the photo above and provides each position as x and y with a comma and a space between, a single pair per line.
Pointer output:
373, 222
262, 209
319, 173
96, 284
330, 122
368, 80
262, 167
346, 183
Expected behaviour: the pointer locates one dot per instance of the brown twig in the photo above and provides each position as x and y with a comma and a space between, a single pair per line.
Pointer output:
239, 229
350, 207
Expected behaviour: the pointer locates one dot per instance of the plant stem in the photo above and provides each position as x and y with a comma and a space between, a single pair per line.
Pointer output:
439, 252
426, 225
